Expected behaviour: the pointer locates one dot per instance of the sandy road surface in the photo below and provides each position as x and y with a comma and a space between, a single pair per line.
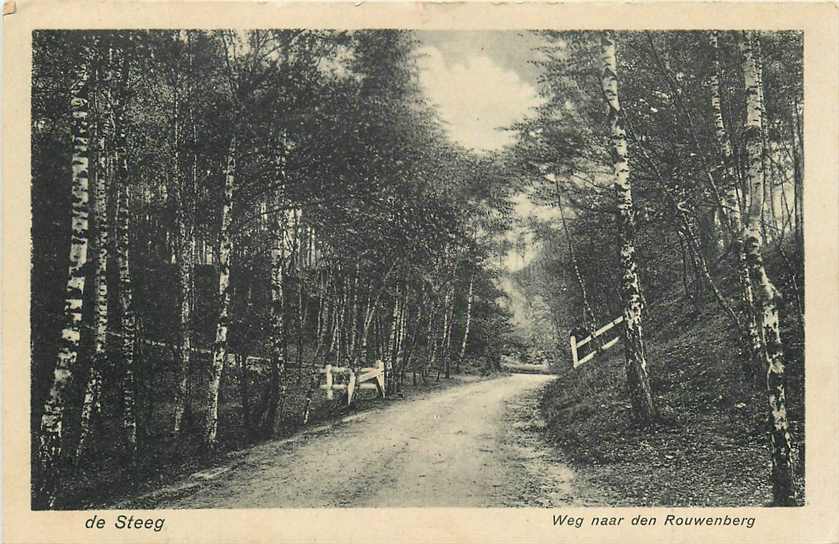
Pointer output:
472, 445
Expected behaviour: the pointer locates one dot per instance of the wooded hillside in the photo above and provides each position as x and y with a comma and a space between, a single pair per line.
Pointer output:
697, 159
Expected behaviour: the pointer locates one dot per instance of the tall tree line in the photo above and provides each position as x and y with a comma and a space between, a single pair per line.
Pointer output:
241, 206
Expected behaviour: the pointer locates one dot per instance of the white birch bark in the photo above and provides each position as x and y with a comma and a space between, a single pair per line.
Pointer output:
220, 344
468, 324
91, 401
448, 336
123, 220
636, 364
767, 296
129, 422
185, 265
732, 205
393, 340
52, 418
279, 325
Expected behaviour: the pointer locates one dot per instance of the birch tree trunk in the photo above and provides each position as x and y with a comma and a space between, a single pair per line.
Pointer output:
407, 362
353, 320
766, 295
431, 349
302, 314
128, 318
732, 209
443, 329
469, 298
129, 421
334, 309
52, 418
323, 312
360, 358
401, 340
184, 257
91, 403
278, 321
220, 344
340, 318
731, 203
798, 173
636, 365
360, 352
393, 340
448, 335
372, 307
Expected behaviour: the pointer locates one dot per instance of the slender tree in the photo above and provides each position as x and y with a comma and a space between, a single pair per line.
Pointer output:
588, 314
129, 422
185, 232
91, 403
767, 296
279, 328
731, 205
53, 416
220, 344
470, 296
636, 363
128, 313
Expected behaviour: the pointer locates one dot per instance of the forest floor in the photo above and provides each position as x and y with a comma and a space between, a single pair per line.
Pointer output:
709, 447
478, 444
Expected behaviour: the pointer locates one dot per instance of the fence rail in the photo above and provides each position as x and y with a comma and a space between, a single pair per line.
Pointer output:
364, 378
575, 345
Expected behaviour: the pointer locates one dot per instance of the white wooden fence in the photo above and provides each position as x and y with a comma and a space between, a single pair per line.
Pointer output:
575, 344
364, 378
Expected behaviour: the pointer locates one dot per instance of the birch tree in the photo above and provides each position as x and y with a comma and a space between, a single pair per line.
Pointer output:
766, 297
636, 363
53, 417
91, 401
470, 295
279, 328
220, 344
129, 421
184, 244
731, 205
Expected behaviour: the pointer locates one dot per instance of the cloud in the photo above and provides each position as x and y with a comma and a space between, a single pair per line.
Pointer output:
476, 97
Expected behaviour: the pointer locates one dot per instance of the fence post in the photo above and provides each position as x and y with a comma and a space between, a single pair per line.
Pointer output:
329, 382
350, 386
380, 377
389, 374
574, 350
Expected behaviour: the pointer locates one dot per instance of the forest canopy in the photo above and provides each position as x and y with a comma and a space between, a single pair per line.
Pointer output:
219, 216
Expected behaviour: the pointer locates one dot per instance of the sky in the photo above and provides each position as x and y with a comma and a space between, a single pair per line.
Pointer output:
481, 82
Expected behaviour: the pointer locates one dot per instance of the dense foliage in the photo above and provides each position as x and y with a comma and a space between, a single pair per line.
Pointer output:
715, 157
355, 231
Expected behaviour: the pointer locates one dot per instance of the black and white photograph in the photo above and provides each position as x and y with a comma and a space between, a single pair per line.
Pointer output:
309, 268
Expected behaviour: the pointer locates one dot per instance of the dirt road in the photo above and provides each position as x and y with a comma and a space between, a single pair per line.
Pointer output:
472, 445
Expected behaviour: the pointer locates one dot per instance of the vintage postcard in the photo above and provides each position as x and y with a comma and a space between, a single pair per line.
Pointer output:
420, 272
